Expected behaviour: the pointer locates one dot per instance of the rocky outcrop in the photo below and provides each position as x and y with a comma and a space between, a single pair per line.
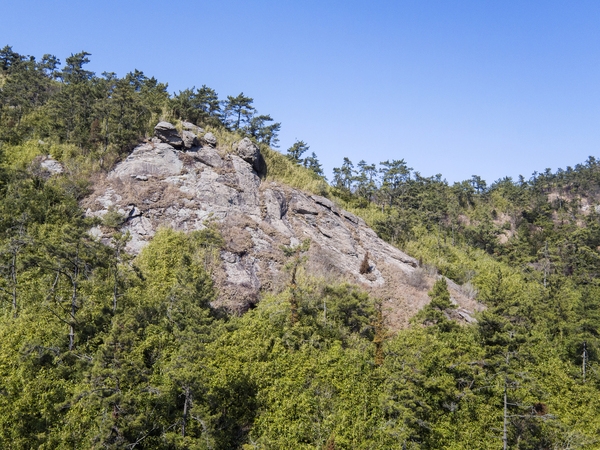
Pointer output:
51, 165
189, 139
149, 161
191, 127
209, 139
158, 185
168, 134
208, 156
249, 152
44, 166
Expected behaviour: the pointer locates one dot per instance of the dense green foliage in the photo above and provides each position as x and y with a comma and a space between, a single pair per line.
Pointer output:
103, 116
99, 350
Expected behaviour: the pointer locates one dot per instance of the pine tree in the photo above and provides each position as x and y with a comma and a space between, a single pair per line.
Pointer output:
343, 177
435, 312
295, 152
238, 111
312, 163
258, 129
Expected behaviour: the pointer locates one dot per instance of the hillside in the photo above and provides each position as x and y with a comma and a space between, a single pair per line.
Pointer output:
158, 186
190, 287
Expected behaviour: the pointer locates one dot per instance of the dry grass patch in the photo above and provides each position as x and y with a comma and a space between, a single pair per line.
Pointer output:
279, 168
237, 238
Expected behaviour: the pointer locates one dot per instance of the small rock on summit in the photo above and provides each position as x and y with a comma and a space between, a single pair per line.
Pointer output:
191, 127
210, 139
189, 139
168, 134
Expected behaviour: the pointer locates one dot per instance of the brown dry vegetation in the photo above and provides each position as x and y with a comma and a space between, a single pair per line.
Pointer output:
139, 193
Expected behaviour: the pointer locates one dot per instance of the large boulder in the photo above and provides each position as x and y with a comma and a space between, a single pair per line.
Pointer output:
209, 139
191, 127
249, 152
208, 156
148, 160
168, 134
189, 139
51, 165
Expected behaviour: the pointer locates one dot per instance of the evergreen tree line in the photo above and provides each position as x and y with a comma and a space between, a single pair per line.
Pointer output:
542, 233
106, 115
547, 224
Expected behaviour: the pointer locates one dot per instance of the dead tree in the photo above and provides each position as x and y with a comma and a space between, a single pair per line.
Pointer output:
365, 267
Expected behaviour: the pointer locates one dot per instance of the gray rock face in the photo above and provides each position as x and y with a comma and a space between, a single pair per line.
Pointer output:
167, 133
147, 161
191, 127
51, 165
210, 139
208, 156
246, 150
189, 139
160, 186
249, 152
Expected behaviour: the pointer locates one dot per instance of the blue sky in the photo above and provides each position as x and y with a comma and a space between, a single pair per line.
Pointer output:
454, 87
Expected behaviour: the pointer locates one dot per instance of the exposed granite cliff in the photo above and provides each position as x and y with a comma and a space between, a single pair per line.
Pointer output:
158, 185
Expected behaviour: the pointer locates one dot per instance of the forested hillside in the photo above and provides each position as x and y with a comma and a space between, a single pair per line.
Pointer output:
99, 349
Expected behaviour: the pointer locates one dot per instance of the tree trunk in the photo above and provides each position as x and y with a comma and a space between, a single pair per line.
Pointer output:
294, 298
75, 282
186, 405
116, 278
505, 416
584, 362
13, 276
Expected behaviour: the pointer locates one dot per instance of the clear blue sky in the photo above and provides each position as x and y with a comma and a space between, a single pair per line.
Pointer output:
454, 87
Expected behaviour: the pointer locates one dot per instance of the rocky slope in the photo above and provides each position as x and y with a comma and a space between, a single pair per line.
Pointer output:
172, 183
